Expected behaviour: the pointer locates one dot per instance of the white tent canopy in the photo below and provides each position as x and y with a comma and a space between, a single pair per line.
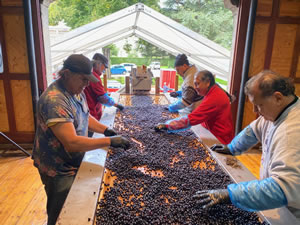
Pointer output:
149, 25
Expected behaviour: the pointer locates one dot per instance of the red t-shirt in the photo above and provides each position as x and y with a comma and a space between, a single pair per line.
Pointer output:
92, 92
214, 113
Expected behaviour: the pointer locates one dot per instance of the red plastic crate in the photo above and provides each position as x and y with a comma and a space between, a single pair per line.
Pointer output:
168, 76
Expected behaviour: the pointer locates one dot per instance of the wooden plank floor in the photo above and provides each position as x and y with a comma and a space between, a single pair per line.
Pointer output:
22, 195
251, 160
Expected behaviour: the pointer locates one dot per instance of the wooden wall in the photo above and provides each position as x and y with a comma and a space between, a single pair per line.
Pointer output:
16, 111
276, 43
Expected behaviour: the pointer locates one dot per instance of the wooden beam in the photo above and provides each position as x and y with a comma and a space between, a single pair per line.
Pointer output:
127, 85
238, 55
271, 35
296, 55
105, 81
176, 83
39, 46
157, 89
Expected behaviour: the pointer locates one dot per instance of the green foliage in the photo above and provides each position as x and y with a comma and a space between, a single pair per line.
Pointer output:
164, 62
119, 79
76, 13
127, 47
113, 49
207, 17
149, 50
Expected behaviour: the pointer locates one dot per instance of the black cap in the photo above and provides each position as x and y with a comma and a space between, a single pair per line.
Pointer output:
101, 58
180, 60
78, 63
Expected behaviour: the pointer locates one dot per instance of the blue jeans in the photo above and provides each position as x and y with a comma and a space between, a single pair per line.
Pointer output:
57, 189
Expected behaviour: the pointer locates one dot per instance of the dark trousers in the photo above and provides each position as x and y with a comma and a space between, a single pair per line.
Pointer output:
57, 189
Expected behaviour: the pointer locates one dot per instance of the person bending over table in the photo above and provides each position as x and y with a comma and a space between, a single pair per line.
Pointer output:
278, 130
63, 121
213, 113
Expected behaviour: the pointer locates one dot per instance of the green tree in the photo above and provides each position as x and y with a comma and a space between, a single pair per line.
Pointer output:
127, 47
149, 50
113, 49
76, 13
207, 17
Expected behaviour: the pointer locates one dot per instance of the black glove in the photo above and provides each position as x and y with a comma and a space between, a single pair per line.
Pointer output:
109, 132
219, 148
209, 198
120, 107
174, 94
119, 142
160, 127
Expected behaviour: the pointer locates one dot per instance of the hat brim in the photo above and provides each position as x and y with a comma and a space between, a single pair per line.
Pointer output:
92, 78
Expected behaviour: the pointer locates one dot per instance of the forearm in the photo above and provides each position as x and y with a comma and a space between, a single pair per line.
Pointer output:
178, 124
106, 100
96, 126
243, 141
72, 142
83, 144
257, 195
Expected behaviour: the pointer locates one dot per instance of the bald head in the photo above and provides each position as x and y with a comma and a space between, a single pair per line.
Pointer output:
267, 82
270, 94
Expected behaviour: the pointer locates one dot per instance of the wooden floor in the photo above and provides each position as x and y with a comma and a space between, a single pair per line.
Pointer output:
22, 195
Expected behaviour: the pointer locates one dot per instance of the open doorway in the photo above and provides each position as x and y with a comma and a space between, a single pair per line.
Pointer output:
210, 20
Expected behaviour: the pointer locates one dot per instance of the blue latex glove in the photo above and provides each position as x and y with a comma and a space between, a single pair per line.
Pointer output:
106, 100
174, 107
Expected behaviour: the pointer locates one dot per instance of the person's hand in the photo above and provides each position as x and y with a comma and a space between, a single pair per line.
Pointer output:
174, 94
210, 198
120, 107
109, 132
160, 127
119, 142
219, 148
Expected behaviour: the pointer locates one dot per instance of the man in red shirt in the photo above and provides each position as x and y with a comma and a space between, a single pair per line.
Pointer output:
95, 94
214, 112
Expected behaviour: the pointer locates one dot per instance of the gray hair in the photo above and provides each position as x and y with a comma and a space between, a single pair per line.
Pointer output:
269, 82
96, 62
207, 76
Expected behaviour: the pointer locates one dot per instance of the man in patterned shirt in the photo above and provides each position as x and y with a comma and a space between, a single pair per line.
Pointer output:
63, 121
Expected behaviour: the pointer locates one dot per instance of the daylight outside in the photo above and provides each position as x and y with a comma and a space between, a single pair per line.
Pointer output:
208, 18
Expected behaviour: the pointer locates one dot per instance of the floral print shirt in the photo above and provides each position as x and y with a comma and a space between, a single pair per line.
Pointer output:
57, 105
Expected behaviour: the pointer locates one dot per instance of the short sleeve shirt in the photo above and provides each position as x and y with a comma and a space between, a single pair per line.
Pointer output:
54, 106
